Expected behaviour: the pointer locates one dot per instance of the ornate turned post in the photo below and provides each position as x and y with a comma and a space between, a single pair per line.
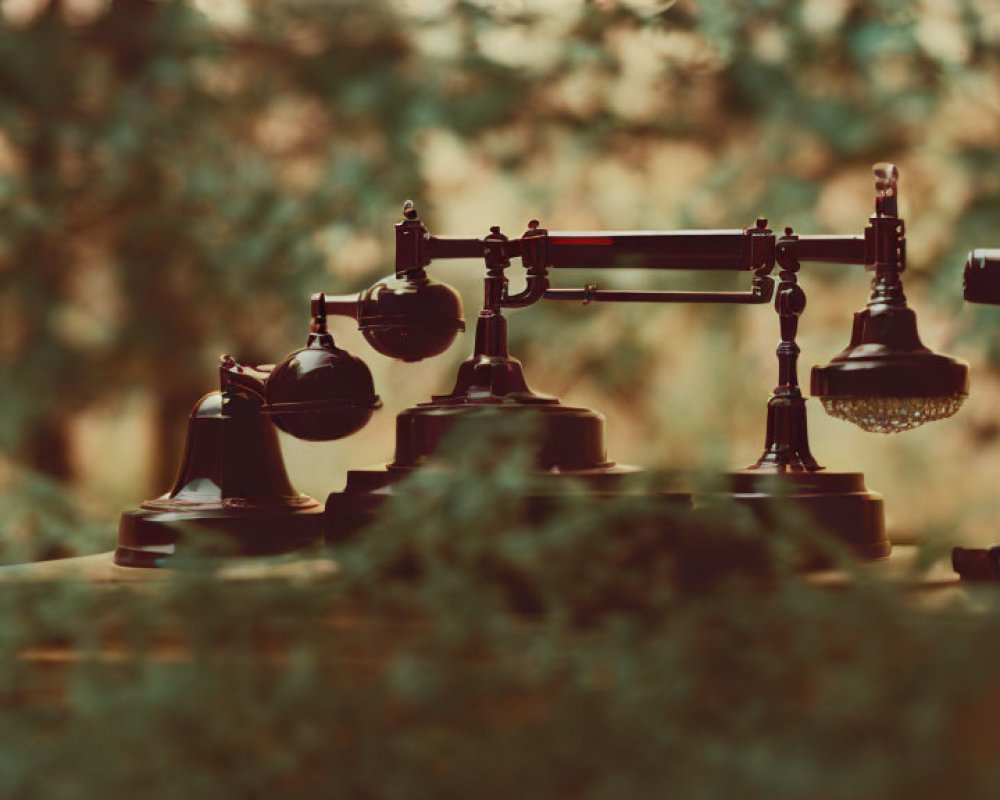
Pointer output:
491, 375
491, 326
787, 445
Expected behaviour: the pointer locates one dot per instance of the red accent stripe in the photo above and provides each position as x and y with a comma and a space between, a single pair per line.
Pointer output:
586, 240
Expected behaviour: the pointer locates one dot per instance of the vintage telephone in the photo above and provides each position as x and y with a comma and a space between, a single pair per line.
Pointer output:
232, 479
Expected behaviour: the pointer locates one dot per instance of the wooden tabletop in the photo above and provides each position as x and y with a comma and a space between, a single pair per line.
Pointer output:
101, 569
900, 567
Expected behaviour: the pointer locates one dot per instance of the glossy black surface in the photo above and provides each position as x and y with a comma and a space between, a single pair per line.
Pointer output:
410, 318
885, 358
321, 392
232, 495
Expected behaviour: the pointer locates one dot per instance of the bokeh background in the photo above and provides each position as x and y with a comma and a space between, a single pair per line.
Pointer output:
177, 177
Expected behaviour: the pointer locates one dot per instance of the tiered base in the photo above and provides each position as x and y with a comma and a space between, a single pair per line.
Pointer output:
569, 443
149, 537
835, 502
362, 499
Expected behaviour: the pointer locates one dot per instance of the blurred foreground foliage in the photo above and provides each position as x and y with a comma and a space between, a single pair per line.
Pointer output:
437, 681
38, 520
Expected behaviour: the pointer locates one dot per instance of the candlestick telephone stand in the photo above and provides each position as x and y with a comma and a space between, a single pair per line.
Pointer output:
232, 480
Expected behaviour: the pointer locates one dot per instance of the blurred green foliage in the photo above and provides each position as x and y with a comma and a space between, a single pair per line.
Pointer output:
436, 680
39, 521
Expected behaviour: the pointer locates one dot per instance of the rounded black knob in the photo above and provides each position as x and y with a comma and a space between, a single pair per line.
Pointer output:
320, 392
410, 318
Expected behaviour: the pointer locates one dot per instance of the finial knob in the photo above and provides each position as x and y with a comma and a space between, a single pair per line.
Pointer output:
496, 235
409, 210
533, 225
886, 177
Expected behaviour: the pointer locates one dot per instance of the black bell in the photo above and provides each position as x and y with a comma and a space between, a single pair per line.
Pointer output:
232, 494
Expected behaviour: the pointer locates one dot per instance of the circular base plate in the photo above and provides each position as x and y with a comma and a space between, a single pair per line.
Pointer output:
568, 439
836, 502
148, 538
